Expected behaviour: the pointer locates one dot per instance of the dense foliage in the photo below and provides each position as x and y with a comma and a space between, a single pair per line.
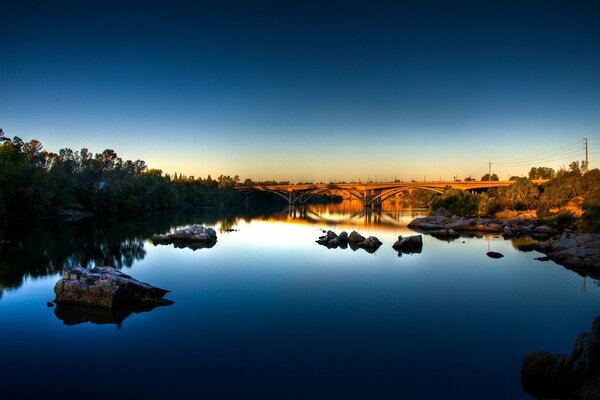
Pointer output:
36, 183
568, 189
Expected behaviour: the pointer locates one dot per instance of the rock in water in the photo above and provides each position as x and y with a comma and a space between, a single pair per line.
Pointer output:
192, 234
410, 244
370, 243
494, 254
355, 237
105, 287
343, 237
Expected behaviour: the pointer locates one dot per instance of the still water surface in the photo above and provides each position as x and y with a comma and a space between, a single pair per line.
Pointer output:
268, 313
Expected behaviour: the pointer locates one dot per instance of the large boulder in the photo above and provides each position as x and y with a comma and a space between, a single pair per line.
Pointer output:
409, 244
355, 237
105, 287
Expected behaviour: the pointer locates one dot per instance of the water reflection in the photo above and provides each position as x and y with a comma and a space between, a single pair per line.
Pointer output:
37, 250
75, 315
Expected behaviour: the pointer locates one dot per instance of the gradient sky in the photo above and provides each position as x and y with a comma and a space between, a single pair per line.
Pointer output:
306, 90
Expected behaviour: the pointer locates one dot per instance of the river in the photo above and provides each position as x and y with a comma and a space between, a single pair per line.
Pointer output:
269, 313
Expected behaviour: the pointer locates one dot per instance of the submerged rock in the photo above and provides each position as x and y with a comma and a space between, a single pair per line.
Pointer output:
105, 287
409, 244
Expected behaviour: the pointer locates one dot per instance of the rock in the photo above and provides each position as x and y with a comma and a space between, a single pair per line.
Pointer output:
542, 258
355, 237
462, 224
335, 242
445, 234
322, 240
493, 254
546, 375
212, 234
507, 232
343, 236
586, 239
541, 374
560, 245
425, 224
331, 235
543, 229
192, 234
410, 244
370, 243
105, 287
49, 304
526, 247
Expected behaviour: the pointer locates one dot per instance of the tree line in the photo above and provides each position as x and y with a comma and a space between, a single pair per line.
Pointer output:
36, 183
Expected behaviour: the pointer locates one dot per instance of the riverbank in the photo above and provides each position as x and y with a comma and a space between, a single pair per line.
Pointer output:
579, 251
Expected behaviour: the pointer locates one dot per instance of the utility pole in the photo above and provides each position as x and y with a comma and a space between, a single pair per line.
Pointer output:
585, 144
489, 171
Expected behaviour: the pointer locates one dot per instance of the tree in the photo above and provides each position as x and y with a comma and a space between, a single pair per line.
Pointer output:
541, 173
487, 177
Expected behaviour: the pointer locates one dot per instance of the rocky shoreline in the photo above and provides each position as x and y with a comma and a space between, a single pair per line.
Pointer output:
577, 251
440, 223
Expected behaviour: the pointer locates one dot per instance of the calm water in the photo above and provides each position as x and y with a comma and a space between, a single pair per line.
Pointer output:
267, 312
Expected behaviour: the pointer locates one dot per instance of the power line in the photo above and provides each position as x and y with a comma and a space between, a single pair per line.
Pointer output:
561, 149
563, 153
566, 156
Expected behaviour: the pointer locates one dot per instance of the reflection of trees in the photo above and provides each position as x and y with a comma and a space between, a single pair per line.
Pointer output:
37, 250
41, 250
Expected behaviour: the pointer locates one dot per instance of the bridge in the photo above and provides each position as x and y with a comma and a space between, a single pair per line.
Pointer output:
370, 194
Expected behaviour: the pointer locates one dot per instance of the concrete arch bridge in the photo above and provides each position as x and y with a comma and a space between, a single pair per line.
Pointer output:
370, 194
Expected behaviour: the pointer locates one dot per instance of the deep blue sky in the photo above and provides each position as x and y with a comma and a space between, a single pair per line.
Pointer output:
303, 90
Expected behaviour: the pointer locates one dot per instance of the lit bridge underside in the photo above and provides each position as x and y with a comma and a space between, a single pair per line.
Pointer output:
370, 194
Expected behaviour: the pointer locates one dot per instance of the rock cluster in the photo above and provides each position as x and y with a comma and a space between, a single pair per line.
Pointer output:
409, 244
106, 287
547, 375
579, 251
442, 224
355, 240
194, 234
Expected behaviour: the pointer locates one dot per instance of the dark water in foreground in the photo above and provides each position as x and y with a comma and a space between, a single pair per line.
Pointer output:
267, 312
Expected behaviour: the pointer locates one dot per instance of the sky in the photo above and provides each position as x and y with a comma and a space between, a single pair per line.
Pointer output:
305, 90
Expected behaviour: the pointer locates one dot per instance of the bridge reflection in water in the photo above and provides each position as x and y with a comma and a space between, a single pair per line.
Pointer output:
349, 212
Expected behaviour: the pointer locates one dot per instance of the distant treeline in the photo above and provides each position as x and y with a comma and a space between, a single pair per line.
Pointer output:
36, 183
568, 190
